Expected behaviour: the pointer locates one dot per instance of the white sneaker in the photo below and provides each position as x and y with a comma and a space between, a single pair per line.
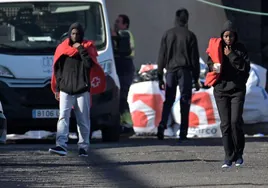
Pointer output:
227, 164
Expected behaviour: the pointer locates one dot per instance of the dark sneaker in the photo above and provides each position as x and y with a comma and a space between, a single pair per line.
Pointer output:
58, 151
184, 138
239, 162
160, 132
227, 164
127, 131
82, 153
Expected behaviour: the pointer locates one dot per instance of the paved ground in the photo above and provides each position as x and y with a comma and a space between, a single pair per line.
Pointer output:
137, 162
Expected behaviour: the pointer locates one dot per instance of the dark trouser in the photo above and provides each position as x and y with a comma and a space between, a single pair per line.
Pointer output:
125, 83
125, 71
183, 78
230, 105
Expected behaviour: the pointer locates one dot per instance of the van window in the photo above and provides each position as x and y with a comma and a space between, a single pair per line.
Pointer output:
39, 27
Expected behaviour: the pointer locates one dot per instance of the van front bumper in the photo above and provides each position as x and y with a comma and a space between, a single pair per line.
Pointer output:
19, 103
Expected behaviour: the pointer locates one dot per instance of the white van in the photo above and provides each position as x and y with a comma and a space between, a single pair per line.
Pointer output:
30, 31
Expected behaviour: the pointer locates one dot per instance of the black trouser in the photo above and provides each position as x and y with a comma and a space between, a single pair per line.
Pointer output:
125, 83
230, 105
125, 71
183, 79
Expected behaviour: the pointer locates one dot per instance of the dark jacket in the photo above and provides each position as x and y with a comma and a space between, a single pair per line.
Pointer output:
179, 49
121, 44
72, 72
235, 67
122, 51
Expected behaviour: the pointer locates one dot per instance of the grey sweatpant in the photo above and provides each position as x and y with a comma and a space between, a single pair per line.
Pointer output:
81, 104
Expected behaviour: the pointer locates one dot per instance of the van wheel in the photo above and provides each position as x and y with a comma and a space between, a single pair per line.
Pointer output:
112, 133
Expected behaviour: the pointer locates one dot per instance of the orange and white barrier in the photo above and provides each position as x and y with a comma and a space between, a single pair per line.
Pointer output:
145, 102
203, 118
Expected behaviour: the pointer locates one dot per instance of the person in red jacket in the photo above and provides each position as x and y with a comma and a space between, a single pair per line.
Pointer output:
75, 68
231, 75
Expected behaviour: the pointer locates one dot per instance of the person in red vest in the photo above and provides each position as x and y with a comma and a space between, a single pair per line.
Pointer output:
75, 68
229, 67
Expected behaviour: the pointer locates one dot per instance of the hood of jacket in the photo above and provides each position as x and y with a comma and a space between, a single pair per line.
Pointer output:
80, 29
182, 16
229, 26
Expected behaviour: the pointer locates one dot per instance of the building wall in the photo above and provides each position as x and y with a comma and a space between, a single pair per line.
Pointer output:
264, 41
150, 19
249, 26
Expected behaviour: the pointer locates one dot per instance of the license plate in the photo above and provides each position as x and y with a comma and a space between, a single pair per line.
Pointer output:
45, 113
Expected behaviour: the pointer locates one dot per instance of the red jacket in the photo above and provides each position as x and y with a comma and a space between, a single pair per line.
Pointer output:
97, 75
215, 53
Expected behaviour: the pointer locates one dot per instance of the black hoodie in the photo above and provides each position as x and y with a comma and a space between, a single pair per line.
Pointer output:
72, 72
235, 66
179, 48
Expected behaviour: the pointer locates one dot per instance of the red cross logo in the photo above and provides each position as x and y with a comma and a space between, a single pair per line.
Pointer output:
95, 82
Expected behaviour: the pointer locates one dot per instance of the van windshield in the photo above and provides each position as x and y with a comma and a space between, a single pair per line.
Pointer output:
38, 27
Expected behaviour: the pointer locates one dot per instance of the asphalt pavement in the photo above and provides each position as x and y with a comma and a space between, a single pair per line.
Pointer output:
136, 162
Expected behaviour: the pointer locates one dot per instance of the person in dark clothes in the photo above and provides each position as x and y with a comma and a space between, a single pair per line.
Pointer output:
229, 93
124, 52
179, 55
72, 64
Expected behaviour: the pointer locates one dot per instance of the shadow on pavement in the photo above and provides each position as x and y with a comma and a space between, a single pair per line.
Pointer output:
32, 166
151, 141
223, 185
137, 141
51, 170
101, 163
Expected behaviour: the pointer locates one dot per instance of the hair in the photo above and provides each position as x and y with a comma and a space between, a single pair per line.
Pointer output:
125, 19
182, 16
